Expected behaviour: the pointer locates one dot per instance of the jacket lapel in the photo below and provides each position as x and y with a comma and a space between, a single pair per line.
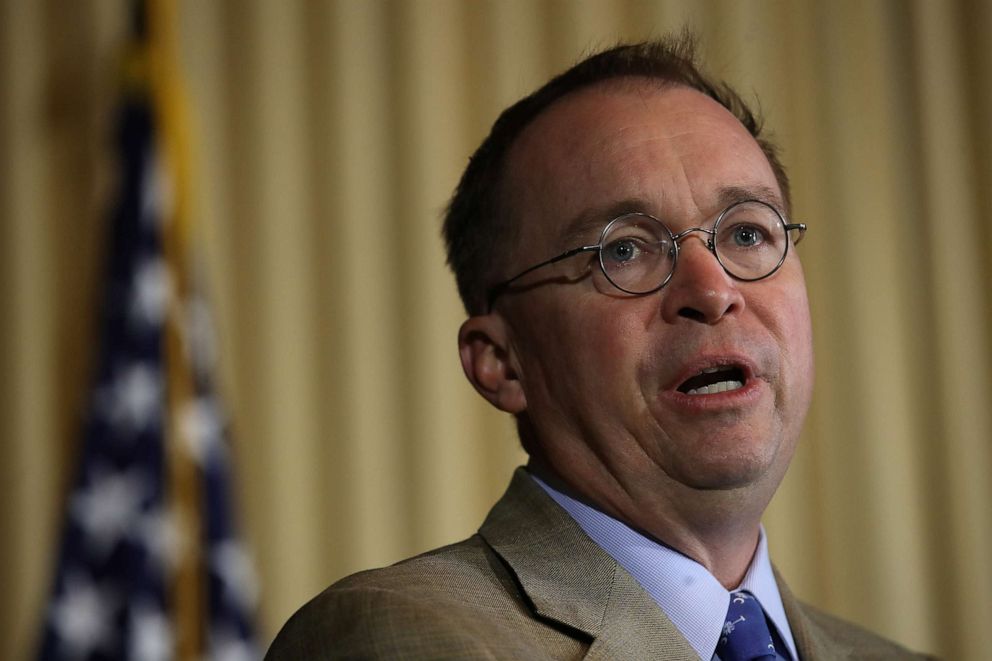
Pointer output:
812, 640
570, 580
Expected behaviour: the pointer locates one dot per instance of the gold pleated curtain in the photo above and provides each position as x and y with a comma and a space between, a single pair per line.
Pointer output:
329, 136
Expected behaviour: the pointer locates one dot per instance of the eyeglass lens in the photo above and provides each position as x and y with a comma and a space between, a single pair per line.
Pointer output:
638, 253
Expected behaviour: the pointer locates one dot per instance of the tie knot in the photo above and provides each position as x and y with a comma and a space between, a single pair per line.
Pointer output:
745, 635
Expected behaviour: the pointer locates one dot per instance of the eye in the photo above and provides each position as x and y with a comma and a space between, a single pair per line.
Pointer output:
747, 236
623, 250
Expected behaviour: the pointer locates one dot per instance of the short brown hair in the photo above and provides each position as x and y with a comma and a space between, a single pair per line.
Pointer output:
478, 223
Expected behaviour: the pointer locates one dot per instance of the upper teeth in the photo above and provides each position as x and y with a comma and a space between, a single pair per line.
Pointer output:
720, 386
710, 370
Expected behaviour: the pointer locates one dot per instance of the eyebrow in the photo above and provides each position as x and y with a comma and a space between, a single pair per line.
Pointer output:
594, 219
729, 195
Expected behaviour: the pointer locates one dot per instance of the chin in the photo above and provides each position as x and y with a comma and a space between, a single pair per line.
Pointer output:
727, 481
727, 471
724, 478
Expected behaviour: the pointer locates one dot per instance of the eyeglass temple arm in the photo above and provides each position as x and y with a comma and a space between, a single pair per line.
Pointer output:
800, 227
501, 287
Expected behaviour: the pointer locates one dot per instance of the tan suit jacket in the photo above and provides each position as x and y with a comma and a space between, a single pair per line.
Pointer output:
529, 585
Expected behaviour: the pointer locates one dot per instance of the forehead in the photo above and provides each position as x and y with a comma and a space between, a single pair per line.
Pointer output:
666, 150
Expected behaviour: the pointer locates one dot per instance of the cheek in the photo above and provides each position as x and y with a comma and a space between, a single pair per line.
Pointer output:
619, 332
796, 324
788, 319
803, 341
785, 308
584, 352
800, 328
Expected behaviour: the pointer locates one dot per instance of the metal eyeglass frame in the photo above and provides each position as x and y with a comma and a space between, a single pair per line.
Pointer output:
498, 289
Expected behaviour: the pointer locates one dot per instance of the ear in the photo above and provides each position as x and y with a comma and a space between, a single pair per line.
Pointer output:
483, 343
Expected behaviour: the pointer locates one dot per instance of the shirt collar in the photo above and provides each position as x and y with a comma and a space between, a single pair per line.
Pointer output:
691, 597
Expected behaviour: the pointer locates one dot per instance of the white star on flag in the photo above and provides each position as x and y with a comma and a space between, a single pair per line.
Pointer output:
151, 293
82, 616
226, 645
151, 635
133, 401
232, 563
108, 507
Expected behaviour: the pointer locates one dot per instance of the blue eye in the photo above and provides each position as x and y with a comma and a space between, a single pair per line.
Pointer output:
622, 250
747, 236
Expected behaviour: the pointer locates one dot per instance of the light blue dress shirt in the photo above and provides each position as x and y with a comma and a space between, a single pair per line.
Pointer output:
690, 596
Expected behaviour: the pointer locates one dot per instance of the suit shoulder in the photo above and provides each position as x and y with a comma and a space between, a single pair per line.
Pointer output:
455, 602
467, 573
867, 645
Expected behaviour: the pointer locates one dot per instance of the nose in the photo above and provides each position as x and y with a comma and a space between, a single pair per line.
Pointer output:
700, 290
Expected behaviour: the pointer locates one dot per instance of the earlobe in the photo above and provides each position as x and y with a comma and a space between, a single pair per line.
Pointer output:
483, 345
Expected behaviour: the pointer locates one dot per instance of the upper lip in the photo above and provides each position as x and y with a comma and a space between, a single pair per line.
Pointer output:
703, 362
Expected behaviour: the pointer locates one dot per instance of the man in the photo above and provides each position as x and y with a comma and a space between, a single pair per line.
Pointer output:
622, 245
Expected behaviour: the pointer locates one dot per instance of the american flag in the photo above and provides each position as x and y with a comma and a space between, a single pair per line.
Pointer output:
150, 567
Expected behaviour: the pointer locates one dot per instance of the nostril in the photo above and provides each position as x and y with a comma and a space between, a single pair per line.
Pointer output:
692, 313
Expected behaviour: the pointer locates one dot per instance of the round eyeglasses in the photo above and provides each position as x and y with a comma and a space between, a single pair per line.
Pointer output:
637, 252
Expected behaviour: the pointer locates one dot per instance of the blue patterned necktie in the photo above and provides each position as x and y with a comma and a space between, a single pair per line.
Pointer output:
745, 635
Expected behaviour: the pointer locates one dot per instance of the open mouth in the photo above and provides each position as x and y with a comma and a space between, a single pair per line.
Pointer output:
713, 380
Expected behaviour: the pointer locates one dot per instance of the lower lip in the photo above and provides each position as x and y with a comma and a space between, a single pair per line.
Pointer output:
744, 395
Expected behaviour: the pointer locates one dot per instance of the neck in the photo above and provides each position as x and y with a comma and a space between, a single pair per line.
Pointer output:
717, 529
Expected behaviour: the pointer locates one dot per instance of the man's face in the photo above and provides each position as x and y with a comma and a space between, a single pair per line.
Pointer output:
601, 370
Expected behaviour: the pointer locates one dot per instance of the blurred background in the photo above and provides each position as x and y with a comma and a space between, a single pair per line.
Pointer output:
327, 136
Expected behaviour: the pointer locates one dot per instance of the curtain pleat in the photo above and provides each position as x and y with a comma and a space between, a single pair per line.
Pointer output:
329, 137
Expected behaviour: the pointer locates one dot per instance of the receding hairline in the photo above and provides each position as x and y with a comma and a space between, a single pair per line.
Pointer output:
632, 83
623, 83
